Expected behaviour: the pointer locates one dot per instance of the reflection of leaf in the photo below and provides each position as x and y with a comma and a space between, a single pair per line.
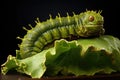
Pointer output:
78, 57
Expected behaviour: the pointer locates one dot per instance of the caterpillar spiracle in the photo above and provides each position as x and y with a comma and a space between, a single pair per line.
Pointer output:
85, 24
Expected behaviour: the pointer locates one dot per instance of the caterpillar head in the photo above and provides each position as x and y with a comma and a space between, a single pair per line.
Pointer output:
91, 23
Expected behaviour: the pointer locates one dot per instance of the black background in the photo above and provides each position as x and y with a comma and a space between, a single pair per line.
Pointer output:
19, 13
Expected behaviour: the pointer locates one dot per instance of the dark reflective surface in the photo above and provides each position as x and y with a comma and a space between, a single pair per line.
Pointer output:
115, 76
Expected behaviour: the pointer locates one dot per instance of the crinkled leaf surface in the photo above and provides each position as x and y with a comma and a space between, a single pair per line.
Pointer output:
78, 57
33, 66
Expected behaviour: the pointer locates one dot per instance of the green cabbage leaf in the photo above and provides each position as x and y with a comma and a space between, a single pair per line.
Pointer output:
77, 57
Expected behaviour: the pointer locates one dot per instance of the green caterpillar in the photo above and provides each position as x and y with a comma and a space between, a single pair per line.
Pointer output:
86, 24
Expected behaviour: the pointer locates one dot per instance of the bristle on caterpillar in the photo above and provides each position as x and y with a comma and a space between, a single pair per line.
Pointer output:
25, 28
19, 38
59, 18
37, 21
51, 20
68, 17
